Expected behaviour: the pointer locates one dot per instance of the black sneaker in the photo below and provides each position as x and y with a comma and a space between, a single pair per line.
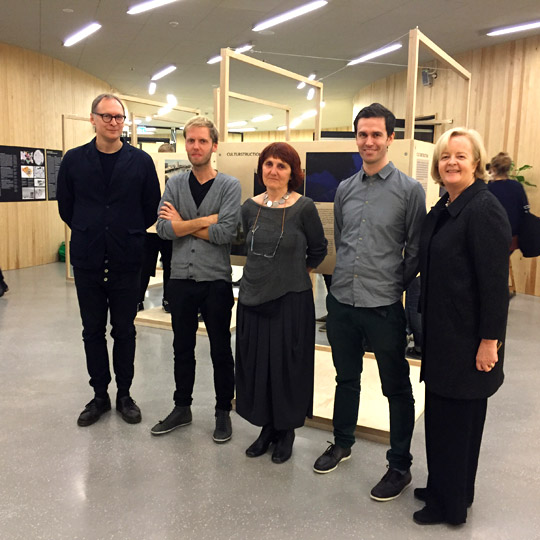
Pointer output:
166, 306
331, 458
223, 431
3, 288
128, 409
93, 411
391, 486
180, 416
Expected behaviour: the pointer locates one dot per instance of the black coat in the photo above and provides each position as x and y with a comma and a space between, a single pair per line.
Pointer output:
107, 218
464, 252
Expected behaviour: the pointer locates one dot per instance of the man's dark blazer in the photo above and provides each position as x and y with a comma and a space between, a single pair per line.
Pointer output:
464, 252
107, 218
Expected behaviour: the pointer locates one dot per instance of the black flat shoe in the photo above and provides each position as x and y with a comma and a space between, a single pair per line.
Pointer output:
260, 446
428, 516
283, 450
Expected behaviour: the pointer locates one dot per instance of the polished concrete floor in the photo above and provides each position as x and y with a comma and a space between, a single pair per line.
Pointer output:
115, 481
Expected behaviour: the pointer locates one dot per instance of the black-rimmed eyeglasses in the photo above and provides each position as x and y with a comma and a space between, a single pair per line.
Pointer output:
107, 118
254, 228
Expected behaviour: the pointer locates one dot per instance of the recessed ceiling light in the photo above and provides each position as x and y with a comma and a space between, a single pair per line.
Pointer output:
262, 118
68, 10
146, 6
288, 15
512, 29
81, 34
148, 118
171, 100
163, 72
281, 128
375, 54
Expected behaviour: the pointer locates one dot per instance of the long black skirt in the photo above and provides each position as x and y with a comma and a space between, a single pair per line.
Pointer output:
275, 349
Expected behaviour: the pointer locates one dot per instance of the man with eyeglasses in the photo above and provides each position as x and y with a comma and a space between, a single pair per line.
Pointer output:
108, 194
199, 211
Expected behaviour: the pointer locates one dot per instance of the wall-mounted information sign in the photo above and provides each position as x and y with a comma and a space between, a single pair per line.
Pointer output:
26, 172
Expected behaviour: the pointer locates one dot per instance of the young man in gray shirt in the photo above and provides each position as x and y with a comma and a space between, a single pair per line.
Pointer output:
199, 211
378, 216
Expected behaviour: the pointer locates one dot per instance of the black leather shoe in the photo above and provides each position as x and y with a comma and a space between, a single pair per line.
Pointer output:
331, 458
283, 450
93, 411
428, 516
267, 436
128, 409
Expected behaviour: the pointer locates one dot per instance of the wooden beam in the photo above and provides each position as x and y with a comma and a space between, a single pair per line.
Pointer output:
251, 99
412, 82
442, 56
159, 104
271, 68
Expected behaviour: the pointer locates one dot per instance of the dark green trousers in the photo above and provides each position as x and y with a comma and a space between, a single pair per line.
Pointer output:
384, 329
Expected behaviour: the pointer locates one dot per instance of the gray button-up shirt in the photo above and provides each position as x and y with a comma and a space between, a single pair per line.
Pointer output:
377, 222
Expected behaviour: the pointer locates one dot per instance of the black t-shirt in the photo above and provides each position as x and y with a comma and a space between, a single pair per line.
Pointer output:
108, 161
198, 190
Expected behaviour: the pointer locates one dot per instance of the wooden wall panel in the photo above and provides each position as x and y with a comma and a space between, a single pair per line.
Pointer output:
35, 90
505, 102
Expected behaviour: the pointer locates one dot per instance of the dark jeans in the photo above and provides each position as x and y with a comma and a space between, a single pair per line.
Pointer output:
99, 293
414, 319
384, 327
215, 301
454, 430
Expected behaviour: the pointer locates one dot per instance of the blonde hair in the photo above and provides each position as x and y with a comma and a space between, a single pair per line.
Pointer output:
479, 152
203, 121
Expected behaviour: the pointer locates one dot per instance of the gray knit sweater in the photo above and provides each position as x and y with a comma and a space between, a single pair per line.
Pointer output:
195, 258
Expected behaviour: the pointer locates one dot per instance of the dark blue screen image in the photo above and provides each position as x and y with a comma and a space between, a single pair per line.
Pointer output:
325, 170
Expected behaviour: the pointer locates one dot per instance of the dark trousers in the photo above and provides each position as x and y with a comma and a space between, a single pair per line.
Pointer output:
153, 246
414, 319
100, 292
384, 328
454, 430
215, 301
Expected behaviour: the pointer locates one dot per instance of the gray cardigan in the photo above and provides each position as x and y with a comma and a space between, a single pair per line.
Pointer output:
195, 258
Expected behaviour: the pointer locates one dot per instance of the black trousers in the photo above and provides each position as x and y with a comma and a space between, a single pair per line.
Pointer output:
100, 293
454, 430
153, 246
215, 301
384, 328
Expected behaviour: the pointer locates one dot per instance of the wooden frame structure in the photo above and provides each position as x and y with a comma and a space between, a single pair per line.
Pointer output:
416, 38
222, 97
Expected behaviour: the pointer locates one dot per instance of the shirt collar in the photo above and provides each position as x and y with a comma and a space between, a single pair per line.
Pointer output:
383, 174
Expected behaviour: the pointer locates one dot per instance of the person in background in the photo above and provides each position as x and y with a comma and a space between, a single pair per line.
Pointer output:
3, 285
510, 193
108, 193
199, 212
378, 214
154, 245
275, 330
464, 305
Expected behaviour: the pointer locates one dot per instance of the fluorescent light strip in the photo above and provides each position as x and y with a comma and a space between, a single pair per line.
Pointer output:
214, 59
239, 50
242, 130
262, 118
81, 34
147, 6
239, 123
163, 72
512, 29
375, 54
310, 94
288, 15
152, 88
171, 100
302, 84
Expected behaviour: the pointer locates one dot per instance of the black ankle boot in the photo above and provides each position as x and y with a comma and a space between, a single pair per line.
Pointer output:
283, 450
265, 439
